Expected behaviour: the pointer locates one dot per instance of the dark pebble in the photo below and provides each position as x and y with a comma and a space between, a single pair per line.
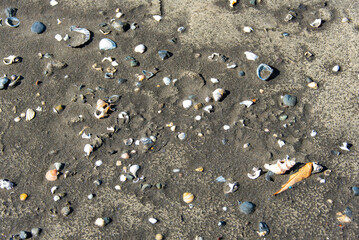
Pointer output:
38, 27
241, 74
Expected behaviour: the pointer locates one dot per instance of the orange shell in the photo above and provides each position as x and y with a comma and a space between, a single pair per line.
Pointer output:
23, 196
101, 105
188, 197
51, 175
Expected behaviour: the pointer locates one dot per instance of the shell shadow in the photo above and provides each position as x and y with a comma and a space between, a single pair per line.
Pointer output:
275, 73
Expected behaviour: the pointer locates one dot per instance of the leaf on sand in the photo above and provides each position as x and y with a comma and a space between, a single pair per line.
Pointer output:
302, 173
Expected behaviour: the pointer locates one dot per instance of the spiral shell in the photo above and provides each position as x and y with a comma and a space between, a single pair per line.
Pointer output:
188, 197
281, 166
51, 175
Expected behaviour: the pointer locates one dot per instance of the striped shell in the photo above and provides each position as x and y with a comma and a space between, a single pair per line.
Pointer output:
281, 166
51, 175
101, 105
188, 197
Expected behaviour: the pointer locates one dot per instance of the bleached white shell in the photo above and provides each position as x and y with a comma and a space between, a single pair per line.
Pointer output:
134, 169
214, 80
316, 23
53, 2
100, 222
247, 29
344, 147
140, 48
336, 68
157, 17
123, 178
218, 94
247, 103
88, 149
107, 44
167, 81
317, 168
281, 166
281, 143
256, 174
30, 114
313, 85
152, 220
250, 56
58, 37
53, 189
208, 108
187, 104
313, 133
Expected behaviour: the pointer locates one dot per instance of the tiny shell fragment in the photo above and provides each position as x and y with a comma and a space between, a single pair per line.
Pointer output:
30, 114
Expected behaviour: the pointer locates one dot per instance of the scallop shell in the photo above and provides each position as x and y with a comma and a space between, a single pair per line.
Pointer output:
188, 197
51, 175
281, 166
30, 114
134, 169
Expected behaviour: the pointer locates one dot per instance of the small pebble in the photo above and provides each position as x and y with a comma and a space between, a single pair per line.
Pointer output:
98, 163
289, 100
247, 207
241, 73
66, 211
336, 68
158, 236
38, 27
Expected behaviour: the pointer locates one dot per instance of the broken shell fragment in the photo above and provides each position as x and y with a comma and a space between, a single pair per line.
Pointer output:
218, 94
316, 23
263, 229
187, 104
100, 222
88, 149
153, 220
345, 147
250, 56
264, 72
140, 48
157, 17
188, 197
232, 3
247, 29
107, 44
30, 114
343, 218
281, 166
133, 170
247, 103
256, 174
102, 109
230, 187
10, 60
51, 175
164, 54
8, 185
59, 108
317, 168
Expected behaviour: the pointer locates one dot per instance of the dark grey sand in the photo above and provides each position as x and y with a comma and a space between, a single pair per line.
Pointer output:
304, 212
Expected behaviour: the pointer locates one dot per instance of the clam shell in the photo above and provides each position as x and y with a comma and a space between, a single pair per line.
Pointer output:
51, 175
107, 44
187, 104
100, 222
133, 170
281, 166
264, 71
30, 114
140, 48
313, 85
188, 197
218, 94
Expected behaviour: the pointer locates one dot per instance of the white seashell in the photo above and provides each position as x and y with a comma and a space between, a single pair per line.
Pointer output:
140, 48
112, 129
100, 222
30, 114
123, 115
107, 44
152, 220
208, 108
256, 174
313, 85
231, 65
167, 81
281, 143
133, 170
214, 80
181, 136
316, 23
157, 17
187, 104
86, 136
119, 15
232, 3
313, 133
198, 117
53, 2
58, 37
281, 166
58, 166
344, 147
317, 168
17, 119
336, 68
8, 185
173, 128
107, 59
118, 187
218, 94
67, 37
10, 60
53, 189
88, 149
345, 20
250, 56
247, 103
98, 163
114, 63
247, 29
56, 198
226, 127
123, 178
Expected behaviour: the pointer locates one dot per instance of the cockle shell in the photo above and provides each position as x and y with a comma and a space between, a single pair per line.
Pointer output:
281, 166
51, 175
188, 197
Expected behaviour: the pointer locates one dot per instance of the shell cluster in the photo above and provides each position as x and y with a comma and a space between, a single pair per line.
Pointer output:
102, 109
281, 166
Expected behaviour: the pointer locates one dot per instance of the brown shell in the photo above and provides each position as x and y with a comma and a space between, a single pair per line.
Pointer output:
51, 175
188, 197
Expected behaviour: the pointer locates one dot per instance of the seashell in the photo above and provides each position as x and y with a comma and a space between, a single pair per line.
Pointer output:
8, 185
232, 3
316, 23
167, 81
263, 229
231, 65
250, 56
218, 94
153, 220
313, 133
317, 168
247, 29
247, 103
281, 143
181, 29
58, 166
107, 44
79, 41
12, 22
345, 146
88, 149
23, 235
247, 207
157, 17
23, 196
38, 27
53, 2
188, 197
289, 100
256, 174
302, 173
187, 104
3, 82
10, 12
264, 71
313, 85
199, 169
281, 166
133, 170
269, 175
66, 211
164, 54
230, 186
343, 218
30, 114
120, 26
100, 222
355, 191
10, 60
53, 189
158, 236
220, 179
336, 68
214, 80
51, 175
35, 231
140, 48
